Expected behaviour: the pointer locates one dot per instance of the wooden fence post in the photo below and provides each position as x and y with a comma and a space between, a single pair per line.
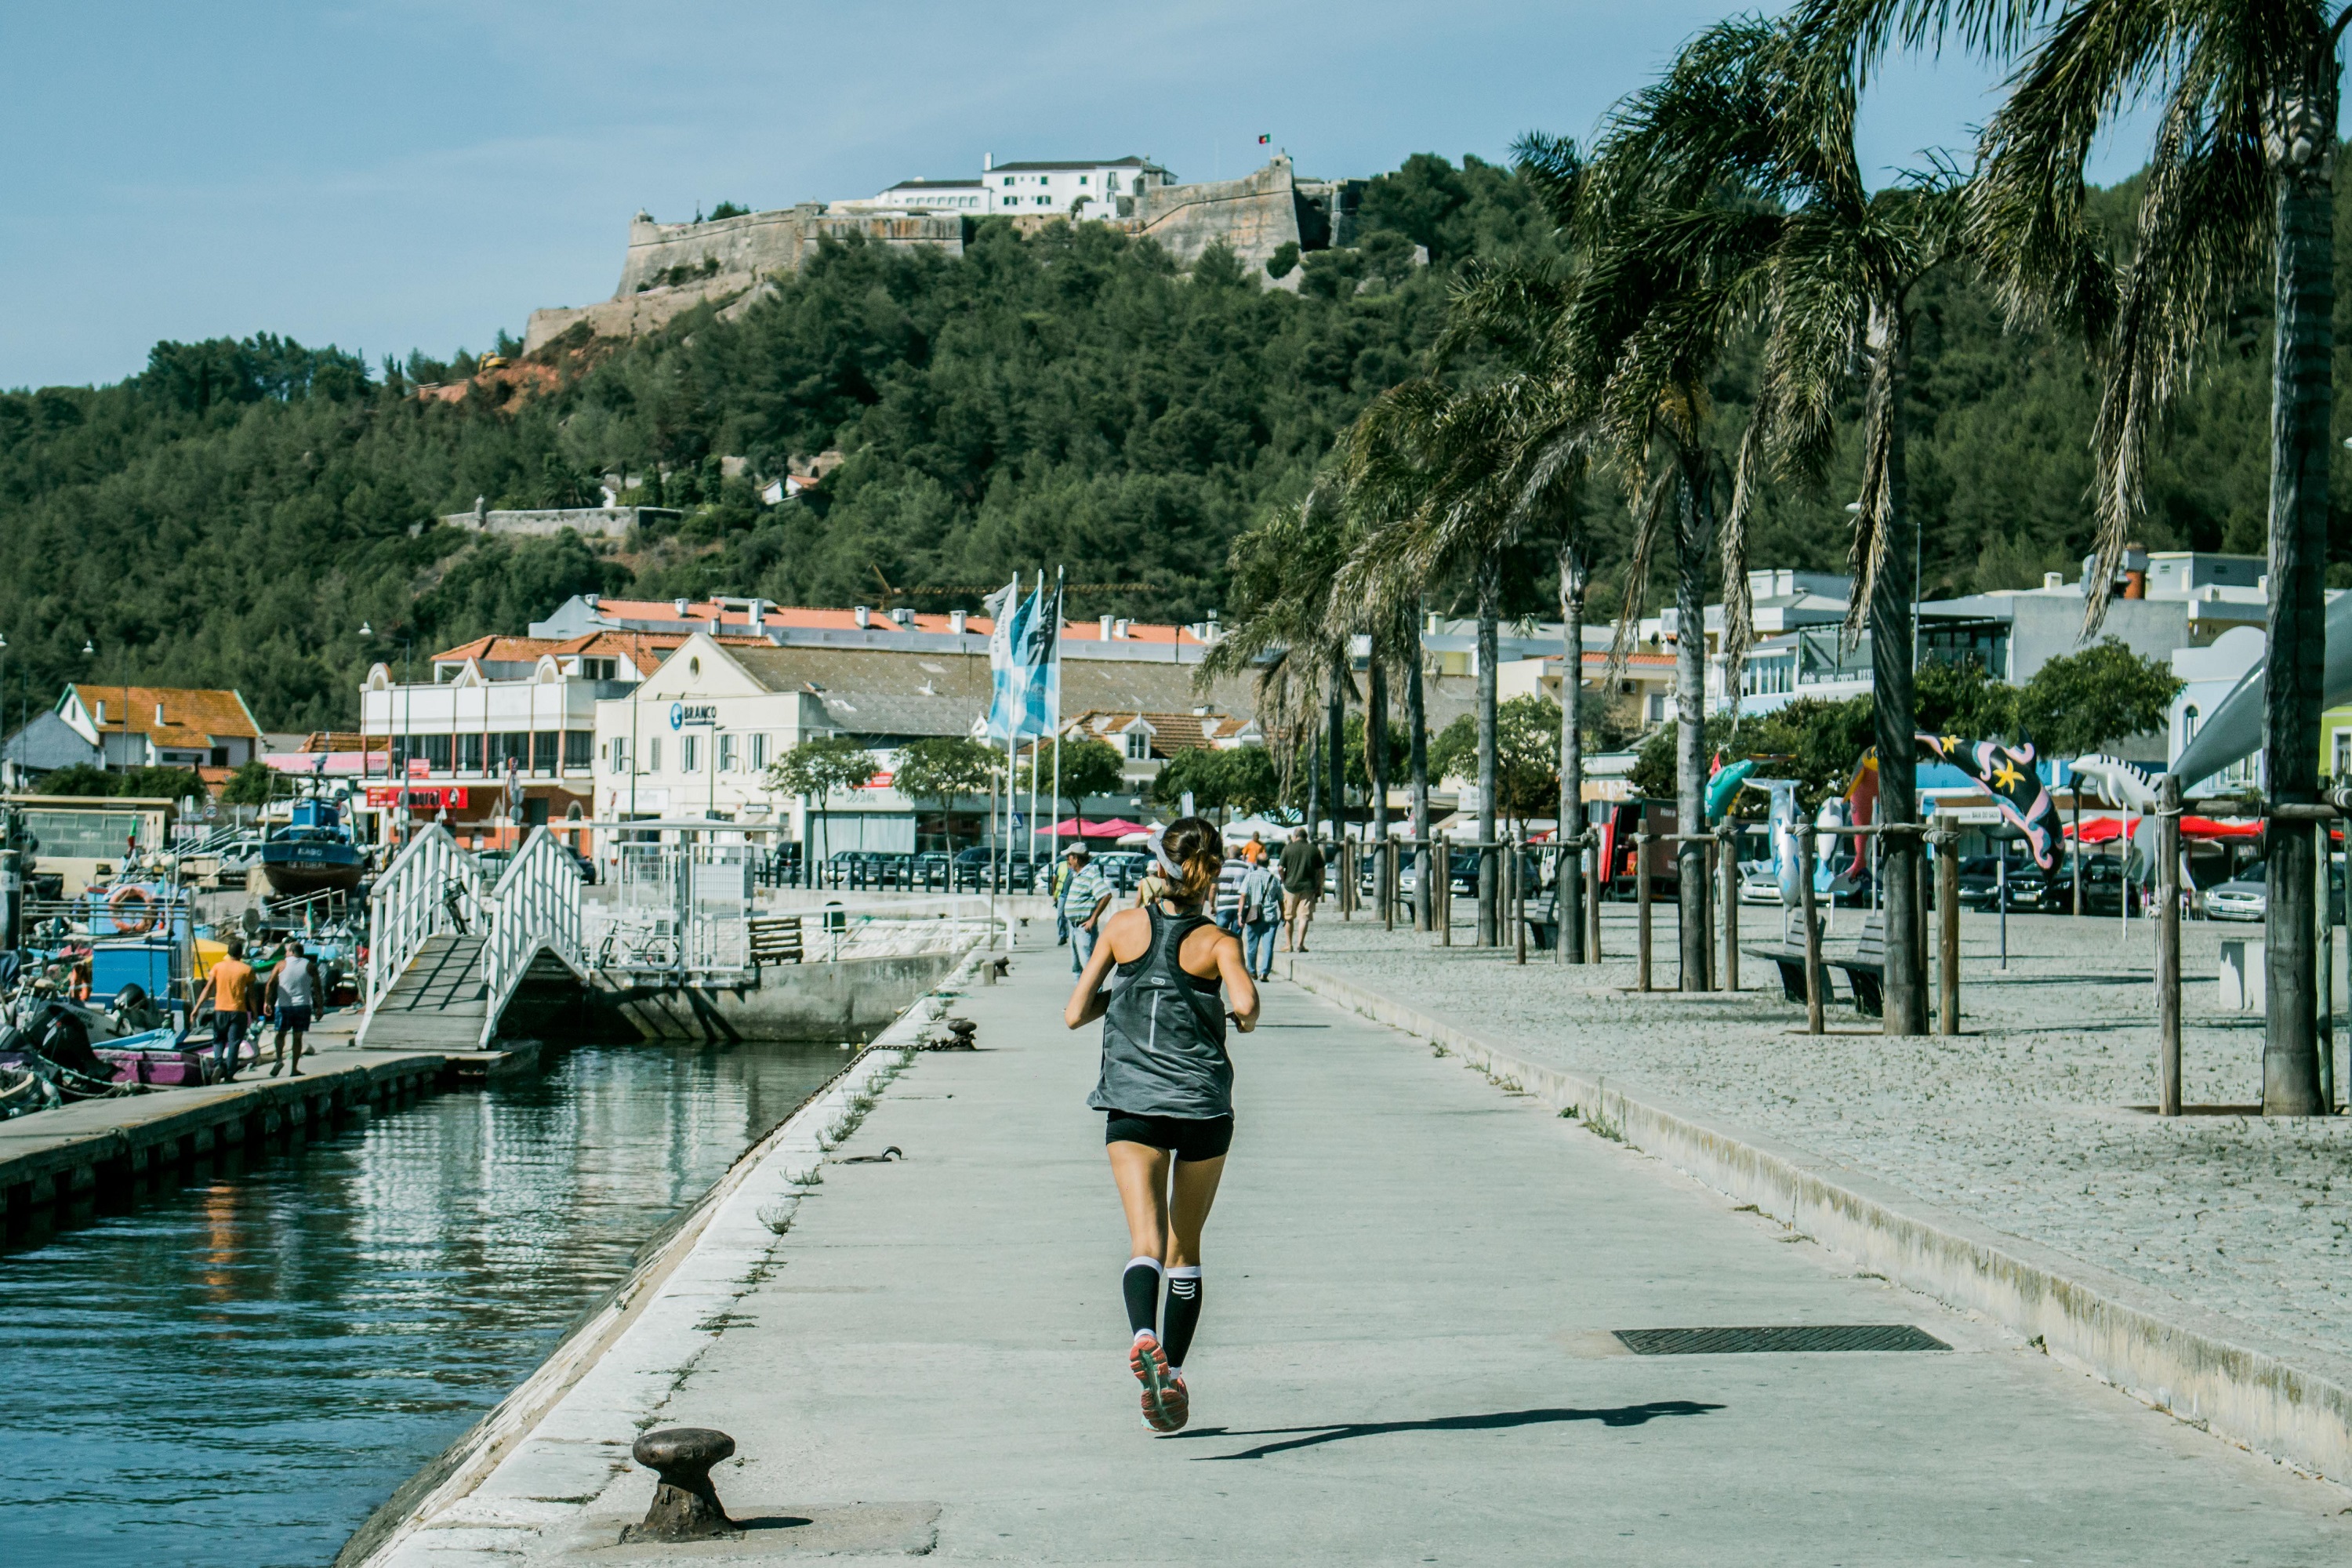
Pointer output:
2167, 946
1947, 923
1642, 905
1812, 927
1730, 904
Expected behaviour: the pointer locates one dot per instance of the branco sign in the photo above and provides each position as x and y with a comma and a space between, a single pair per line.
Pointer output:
685, 715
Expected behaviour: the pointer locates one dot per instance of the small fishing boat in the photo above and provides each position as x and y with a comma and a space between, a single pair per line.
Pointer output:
314, 853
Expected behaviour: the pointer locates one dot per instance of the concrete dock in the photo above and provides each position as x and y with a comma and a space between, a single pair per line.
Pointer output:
1409, 1354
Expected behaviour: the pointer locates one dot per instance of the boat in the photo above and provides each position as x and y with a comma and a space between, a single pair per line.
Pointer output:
24, 1091
314, 853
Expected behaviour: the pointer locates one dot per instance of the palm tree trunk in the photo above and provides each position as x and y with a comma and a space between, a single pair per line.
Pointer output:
1571, 750
1417, 740
1490, 615
1893, 646
1338, 749
1376, 741
1694, 526
2303, 396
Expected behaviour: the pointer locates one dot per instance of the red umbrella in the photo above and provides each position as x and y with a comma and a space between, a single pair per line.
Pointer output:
1075, 827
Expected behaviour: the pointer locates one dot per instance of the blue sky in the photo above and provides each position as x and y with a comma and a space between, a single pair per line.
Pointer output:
423, 173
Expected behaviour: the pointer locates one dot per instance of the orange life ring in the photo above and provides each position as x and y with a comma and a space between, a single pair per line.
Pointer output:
143, 923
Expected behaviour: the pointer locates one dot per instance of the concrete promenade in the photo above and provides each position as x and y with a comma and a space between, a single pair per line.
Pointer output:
1405, 1357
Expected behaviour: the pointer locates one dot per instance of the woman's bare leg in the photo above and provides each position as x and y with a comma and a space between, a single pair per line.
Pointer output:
1141, 1172
1194, 1190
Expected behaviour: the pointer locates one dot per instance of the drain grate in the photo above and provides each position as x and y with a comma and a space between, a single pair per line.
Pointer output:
1785, 1340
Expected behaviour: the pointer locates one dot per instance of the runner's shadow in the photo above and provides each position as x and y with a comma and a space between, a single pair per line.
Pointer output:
1623, 1415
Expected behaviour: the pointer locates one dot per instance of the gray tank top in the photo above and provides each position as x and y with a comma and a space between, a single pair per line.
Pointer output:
1163, 1034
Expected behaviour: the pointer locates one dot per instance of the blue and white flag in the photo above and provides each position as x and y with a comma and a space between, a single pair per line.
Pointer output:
1041, 651
1009, 701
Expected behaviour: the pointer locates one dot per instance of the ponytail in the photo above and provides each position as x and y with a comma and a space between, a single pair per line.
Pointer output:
1198, 851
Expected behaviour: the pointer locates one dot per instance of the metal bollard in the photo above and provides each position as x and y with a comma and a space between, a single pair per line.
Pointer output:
686, 1507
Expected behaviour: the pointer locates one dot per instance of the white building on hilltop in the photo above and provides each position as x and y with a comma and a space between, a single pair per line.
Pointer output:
1090, 189
919, 195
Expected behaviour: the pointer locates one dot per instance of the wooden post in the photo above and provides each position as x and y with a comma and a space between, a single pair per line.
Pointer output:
1518, 901
1641, 904
1947, 923
1592, 858
1387, 883
1443, 888
2324, 960
2168, 947
1730, 904
1812, 927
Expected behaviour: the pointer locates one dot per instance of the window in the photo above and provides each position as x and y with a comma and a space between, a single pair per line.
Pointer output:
1082, 179
653, 755
1139, 745
469, 753
545, 750
509, 746
690, 753
577, 746
1008, 179
619, 753
2342, 752
727, 762
759, 753
1657, 709
435, 749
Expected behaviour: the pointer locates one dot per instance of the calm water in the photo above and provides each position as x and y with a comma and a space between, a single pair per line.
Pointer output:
239, 1368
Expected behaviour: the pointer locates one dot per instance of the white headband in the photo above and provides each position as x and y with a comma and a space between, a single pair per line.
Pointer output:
1159, 853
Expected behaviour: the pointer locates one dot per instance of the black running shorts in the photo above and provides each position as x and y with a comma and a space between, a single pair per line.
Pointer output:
1190, 1139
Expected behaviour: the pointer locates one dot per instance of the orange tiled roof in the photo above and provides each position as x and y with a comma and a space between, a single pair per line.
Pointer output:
645, 650
192, 716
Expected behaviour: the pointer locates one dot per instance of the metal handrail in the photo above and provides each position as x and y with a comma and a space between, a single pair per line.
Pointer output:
535, 903
408, 905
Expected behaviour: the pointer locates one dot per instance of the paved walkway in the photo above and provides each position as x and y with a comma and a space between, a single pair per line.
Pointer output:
1403, 1358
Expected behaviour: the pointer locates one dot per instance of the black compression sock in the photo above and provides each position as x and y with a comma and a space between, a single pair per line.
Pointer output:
1141, 1286
1183, 1311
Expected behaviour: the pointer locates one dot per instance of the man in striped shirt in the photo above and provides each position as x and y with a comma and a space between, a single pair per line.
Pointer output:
1085, 896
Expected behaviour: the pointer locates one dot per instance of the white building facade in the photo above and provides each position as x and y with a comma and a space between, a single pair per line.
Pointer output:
1081, 191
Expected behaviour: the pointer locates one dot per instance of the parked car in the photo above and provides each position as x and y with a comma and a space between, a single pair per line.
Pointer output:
2030, 888
981, 869
2245, 897
1757, 885
1122, 868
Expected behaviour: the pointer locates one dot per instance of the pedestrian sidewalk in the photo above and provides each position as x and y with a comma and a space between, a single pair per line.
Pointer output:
1405, 1356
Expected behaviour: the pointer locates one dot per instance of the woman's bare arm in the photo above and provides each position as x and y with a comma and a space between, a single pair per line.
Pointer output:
1089, 998
1232, 968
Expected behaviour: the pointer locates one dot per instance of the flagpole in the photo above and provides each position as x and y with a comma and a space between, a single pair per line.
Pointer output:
1056, 688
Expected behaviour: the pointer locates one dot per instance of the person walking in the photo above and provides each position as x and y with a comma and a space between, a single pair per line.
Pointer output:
1061, 921
293, 997
1228, 910
1261, 906
229, 987
1166, 1091
1302, 888
1254, 850
1085, 894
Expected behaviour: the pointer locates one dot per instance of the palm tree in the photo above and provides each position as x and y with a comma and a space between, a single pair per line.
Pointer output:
1448, 477
2239, 183
1282, 632
1734, 184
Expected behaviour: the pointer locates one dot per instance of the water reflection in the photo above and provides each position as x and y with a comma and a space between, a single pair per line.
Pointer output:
239, 1367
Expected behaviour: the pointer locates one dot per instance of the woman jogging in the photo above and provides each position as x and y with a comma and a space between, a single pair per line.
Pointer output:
1167, 1092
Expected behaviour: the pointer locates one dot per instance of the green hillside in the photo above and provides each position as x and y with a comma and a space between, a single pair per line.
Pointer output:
232, 515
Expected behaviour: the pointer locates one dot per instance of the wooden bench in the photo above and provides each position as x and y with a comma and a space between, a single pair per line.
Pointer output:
1543, 921
1791, 962
1867, 969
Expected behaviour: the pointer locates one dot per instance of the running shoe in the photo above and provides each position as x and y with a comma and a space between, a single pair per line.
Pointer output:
1177, 1403
1151, 1368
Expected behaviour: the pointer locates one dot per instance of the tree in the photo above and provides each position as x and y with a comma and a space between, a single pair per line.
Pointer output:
81, 779
1200, 771
162, 783
1090, 767
2089, 699
249, 786
2240, 182
943, 768
819, 765
1733, 183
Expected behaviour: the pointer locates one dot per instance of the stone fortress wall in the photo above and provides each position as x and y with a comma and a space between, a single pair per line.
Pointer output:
671, 267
